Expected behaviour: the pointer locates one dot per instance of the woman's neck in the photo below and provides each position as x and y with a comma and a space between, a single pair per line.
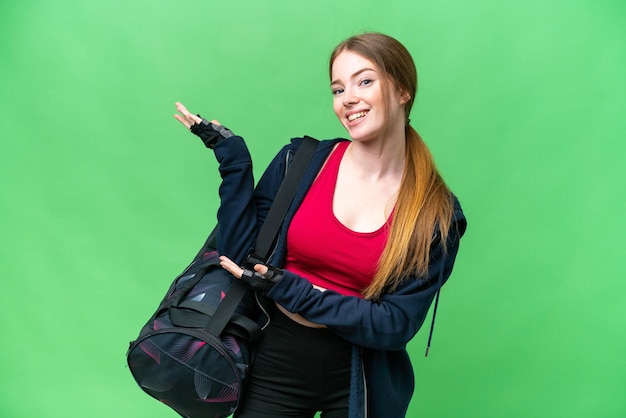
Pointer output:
378, 159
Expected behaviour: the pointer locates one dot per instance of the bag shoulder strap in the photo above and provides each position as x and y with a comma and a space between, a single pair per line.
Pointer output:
276, 214
268, 233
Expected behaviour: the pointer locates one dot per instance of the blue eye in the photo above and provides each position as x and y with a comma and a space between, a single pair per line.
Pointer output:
366, 82
337, 91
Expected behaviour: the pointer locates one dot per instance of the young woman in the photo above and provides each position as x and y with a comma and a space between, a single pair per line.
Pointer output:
371, 237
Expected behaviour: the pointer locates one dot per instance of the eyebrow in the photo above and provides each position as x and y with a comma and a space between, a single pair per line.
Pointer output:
354, 75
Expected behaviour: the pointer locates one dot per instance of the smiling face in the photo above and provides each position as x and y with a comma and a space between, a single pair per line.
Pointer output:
366, 104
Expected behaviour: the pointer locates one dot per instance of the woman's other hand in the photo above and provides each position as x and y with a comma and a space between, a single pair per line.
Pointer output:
262, 279
236, 270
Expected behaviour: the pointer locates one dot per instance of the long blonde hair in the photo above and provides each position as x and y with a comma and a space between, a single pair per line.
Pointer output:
424, 205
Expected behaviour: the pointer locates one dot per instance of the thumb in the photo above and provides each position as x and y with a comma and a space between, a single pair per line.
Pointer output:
260, 268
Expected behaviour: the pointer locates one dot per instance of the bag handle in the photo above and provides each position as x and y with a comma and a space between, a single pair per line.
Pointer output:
268, 233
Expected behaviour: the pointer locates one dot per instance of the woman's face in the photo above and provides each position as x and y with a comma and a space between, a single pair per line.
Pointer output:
357, 86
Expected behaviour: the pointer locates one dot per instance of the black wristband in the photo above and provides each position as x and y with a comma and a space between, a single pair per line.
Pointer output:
210, 133
262, 282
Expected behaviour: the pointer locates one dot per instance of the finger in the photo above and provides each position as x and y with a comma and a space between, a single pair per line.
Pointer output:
234, 270
194, 119
183, 121
188, 116
227, 263
260, 268
226, 259
231, 267
181, 108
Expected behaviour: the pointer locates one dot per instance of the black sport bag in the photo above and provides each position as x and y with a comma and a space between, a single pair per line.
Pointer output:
194, 352
186, 356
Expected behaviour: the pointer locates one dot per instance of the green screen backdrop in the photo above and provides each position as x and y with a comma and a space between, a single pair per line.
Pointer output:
104, 198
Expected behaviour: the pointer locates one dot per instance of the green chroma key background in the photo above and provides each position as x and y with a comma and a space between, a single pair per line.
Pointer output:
105, 198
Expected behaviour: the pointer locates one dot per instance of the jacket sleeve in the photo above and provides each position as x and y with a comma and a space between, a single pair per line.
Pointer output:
387, 324
242, 207
236, 214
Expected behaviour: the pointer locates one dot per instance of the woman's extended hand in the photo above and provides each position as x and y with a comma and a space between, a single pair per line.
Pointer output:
209, 132
187, 118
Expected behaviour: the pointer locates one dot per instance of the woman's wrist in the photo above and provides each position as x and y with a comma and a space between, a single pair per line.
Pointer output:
210, 133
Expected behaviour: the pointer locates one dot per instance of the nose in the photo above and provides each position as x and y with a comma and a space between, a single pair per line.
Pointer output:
349, 98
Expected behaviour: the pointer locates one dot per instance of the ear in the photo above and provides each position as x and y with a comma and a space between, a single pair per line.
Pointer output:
404, 97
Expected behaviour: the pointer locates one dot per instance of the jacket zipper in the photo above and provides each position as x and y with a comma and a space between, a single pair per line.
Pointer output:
365, 414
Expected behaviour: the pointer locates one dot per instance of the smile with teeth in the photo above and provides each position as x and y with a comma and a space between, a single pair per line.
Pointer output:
356, 116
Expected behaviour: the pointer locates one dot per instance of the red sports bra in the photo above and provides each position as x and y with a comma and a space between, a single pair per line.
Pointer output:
322, 249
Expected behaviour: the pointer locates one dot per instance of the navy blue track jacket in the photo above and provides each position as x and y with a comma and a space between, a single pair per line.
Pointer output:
382, 381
